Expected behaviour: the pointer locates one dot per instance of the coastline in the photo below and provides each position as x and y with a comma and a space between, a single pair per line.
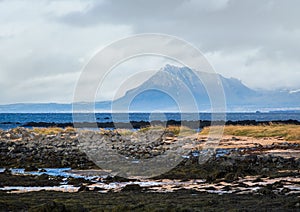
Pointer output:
248, 169
141, 124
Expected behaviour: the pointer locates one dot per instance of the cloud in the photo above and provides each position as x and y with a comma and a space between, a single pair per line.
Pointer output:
261, 36
35, 48
251, 40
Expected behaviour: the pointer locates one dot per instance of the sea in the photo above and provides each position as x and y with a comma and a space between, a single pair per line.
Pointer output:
12, 120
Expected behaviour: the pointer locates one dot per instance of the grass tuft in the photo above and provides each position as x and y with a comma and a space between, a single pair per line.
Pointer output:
52, 130
176, 130
288, 132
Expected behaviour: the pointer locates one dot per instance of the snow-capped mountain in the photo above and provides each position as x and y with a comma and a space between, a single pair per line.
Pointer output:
175, 88
185, 87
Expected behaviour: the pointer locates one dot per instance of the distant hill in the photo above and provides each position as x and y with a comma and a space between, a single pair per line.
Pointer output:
35, 108
186, 86
181, 84
181, 80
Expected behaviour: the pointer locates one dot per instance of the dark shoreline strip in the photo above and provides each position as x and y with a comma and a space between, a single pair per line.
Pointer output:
142, 124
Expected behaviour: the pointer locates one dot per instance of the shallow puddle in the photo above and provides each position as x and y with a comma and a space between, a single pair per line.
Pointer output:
23, 189
95, 177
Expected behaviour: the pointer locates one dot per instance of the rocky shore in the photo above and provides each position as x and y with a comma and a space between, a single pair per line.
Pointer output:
24, 148
58, 148
142, 124
252, 170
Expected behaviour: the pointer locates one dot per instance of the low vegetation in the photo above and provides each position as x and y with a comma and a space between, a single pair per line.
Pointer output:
181, 200
288, 132
52, 130
176, 130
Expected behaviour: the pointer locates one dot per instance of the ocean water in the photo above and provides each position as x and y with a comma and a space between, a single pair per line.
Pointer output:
12, 120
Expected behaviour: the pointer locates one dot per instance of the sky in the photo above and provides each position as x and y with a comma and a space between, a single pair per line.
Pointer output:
44, 45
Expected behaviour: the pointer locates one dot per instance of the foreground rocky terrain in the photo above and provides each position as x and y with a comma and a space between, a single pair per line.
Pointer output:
184, 200
247, 169
57, 148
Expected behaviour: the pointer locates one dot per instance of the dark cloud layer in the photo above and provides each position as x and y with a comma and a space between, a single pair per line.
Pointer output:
49, 41
227, 27
215, 25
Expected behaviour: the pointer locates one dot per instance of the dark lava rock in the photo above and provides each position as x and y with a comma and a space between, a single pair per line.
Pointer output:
230, 177
111, 179
141, 124
277, 185
77, 181
28, 180
226, 188
266, 191
83, 188
99, 189
210, 188
7, 171
31, 169
43, 177
132, 187
257, 180
243, 185
285, 191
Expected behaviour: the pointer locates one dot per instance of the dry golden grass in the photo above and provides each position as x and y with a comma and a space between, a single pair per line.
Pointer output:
181, 130
52, 130
156, 127
124, 132
177, 130
286, 131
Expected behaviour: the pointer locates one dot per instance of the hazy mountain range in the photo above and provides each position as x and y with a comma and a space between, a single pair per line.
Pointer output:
175, 88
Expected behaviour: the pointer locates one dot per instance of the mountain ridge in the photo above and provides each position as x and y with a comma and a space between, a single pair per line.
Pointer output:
172, 87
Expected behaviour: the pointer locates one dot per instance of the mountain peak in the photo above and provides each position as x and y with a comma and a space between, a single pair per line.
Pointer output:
174, 69
169, 67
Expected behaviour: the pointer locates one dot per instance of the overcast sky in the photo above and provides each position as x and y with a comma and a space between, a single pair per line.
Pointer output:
45, 44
